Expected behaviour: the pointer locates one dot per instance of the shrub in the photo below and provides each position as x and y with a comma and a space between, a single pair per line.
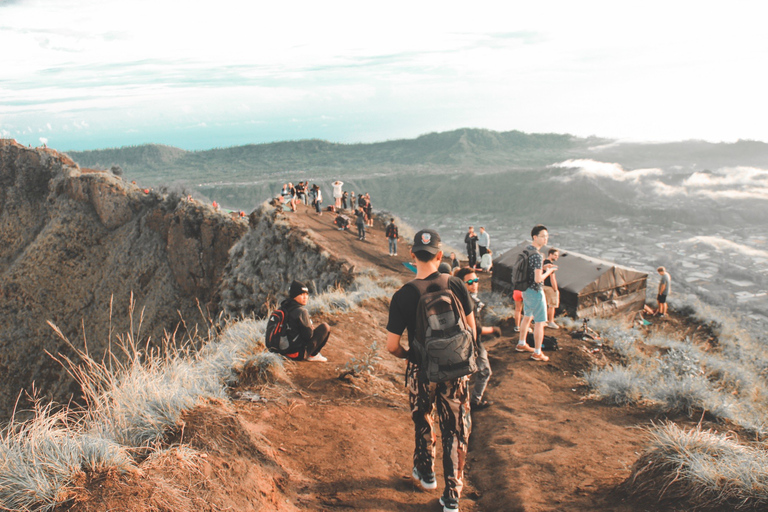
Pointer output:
263, 368
40, 460
616, 384
701, 469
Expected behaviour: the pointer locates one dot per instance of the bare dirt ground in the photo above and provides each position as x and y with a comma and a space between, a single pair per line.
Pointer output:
541, 446
319, 442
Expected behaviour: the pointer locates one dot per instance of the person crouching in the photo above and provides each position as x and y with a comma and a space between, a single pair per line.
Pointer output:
305, 341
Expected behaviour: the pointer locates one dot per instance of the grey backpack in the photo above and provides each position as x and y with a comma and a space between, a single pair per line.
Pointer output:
443, 341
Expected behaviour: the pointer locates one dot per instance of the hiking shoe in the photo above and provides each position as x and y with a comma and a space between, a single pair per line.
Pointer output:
482, 404
540, 357
425, 480
552, 325
523, 347
317, 358
449, 505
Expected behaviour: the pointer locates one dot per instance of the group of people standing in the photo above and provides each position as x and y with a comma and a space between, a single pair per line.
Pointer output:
304, 193
479, 243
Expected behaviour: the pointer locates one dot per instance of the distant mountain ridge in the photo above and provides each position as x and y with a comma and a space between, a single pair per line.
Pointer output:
463, 149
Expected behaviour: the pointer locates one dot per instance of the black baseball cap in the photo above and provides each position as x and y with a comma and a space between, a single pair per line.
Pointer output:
427, 240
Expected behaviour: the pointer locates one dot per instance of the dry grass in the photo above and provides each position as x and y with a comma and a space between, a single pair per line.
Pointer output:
701, 470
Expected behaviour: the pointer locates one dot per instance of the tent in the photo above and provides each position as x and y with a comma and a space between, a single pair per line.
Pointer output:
588, 286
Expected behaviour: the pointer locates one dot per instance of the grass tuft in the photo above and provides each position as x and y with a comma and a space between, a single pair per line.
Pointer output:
700, 469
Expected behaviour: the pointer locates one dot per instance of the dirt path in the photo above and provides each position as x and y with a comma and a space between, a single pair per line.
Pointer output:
348, 445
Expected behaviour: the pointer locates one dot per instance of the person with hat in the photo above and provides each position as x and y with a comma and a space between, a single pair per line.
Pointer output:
451, 397
305, 340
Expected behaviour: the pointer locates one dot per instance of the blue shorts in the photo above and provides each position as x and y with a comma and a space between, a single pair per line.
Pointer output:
535, 304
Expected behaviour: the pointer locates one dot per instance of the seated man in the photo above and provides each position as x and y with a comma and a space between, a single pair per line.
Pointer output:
305, 342
342, 222
486, 261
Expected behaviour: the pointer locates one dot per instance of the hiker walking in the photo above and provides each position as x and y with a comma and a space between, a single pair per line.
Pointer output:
449, 397
302, 341
360, 223
534, 301
483, 375
391, 233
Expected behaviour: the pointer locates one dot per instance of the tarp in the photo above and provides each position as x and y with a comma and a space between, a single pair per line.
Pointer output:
588, 286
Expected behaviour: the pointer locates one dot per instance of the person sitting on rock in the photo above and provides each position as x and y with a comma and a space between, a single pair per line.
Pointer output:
305, 341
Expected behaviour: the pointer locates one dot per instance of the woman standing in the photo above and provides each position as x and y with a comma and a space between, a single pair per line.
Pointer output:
337, 193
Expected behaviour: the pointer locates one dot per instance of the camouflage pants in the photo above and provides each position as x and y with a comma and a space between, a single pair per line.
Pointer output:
451, 400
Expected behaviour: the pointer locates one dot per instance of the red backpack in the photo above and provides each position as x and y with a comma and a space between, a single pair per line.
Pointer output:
275, 331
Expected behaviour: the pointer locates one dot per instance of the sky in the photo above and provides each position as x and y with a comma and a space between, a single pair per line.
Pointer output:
89, 74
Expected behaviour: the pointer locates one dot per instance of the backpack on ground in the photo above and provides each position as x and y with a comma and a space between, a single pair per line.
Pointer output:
549, 343
277, 333
520, 271
443, 341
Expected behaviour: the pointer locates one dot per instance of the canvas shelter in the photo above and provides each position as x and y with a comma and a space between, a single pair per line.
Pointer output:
589, 287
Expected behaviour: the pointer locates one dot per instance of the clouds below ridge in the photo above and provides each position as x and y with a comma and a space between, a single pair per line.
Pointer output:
727, 183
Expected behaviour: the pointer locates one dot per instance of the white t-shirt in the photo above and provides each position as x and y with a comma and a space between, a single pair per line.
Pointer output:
486, 262
337, 188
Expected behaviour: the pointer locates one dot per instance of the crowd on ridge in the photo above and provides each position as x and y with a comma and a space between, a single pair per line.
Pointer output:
440, 309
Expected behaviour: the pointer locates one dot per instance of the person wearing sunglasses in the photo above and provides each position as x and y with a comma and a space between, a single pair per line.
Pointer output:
483, 374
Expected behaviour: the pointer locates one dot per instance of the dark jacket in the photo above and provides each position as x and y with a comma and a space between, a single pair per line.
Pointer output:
298, 322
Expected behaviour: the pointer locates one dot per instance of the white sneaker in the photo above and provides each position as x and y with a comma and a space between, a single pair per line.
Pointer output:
449, 505
552, 325
319, 358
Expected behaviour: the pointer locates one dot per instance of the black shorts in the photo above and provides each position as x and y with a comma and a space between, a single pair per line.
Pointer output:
661, 298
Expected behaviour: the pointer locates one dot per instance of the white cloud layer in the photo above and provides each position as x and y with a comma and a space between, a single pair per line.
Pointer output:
593, 168
722, 244
730, 183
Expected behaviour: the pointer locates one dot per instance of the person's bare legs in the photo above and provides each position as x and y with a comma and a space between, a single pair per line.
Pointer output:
522, 345
538, 335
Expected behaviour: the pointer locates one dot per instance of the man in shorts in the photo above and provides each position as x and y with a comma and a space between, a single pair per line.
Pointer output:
450, 398
664, 289
534, 301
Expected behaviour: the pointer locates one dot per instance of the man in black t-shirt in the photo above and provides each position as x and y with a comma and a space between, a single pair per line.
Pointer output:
451, 398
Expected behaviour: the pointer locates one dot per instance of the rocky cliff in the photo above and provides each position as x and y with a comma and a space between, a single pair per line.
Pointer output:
76, 246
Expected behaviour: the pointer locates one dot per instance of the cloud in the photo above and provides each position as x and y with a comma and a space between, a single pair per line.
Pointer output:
593, 169
729, 177
44, 141
723, 244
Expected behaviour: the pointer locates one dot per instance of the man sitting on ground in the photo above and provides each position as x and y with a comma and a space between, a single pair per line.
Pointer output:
305, 341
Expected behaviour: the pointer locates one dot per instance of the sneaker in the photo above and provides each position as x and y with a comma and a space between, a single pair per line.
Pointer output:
394, 254
523, 347
318, 358
517, 329
425, 481
540, 357
552, 325
449, 505
479, 406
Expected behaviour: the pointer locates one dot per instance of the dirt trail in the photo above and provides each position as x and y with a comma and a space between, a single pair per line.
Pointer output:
348, 445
